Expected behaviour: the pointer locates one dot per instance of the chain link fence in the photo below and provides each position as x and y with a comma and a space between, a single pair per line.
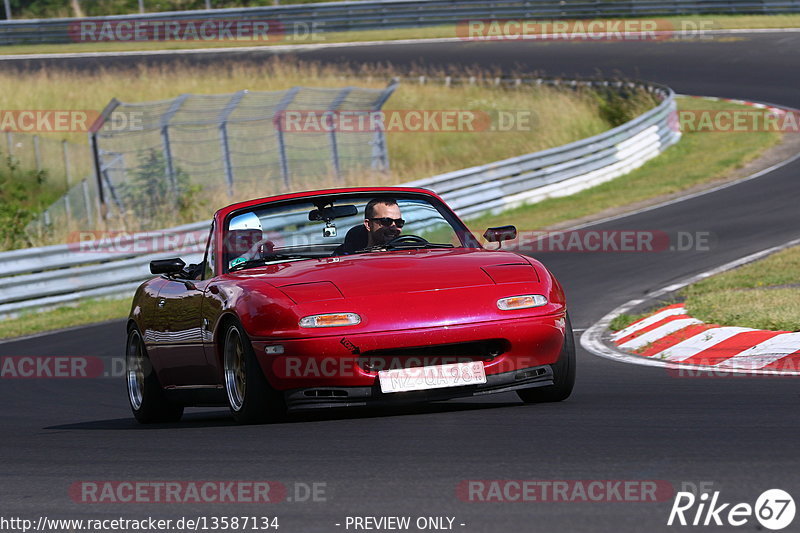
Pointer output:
61, 165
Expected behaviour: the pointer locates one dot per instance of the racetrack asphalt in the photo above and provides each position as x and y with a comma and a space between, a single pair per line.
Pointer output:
623, 422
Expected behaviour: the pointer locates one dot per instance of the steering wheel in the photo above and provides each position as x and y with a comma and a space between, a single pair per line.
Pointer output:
407, 239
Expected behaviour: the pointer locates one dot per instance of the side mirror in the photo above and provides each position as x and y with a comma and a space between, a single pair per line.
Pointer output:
500, 233
166, 266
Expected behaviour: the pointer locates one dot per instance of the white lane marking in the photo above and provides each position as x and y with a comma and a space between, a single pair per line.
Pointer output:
658, 333
702, 341
764, 353
661, 315
277, 49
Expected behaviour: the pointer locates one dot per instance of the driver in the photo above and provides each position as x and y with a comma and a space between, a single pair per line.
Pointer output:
382, 220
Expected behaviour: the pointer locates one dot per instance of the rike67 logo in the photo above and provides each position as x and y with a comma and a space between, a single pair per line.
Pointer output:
774, 509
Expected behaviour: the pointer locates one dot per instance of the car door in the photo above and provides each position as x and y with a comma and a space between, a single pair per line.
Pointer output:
180, 357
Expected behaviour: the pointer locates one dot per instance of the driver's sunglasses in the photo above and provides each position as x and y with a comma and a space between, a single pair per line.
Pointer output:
387, 222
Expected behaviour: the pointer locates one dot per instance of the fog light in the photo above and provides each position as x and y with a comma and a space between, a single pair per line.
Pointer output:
331, 320
525, 301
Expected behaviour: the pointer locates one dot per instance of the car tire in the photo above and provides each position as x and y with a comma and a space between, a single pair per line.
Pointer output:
563, 375
250, 397
148, 402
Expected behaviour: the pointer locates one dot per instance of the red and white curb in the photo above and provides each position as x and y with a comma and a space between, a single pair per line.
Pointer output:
670, 338
670, 334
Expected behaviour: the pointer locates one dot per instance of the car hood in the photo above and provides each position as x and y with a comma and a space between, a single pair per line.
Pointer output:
383, 273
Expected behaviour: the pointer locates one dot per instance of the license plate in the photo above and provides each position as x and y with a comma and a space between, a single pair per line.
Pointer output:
432, 377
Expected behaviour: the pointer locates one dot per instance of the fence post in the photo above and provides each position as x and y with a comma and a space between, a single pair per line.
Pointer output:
87, 203
330, 113
223, 131
67, 205
98, 171
98, 174
36, 155
7, 5
380, 156
278, 124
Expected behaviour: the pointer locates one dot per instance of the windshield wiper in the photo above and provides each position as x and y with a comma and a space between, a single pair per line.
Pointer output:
263, 261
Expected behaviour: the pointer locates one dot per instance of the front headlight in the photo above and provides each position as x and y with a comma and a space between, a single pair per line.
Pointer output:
330, 320
521, 302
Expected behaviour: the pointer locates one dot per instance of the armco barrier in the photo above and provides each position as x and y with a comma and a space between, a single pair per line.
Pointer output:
382, 14
41, 277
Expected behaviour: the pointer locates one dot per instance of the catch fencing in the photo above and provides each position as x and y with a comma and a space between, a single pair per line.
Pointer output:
46, 276
152, 159
284, 21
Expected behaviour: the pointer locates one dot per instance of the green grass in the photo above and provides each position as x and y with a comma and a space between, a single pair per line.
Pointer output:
624, 320
688, 22
761, 295
87, 312
699, 157
23, 195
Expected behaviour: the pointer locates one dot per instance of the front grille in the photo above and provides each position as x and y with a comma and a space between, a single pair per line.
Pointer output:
437, 354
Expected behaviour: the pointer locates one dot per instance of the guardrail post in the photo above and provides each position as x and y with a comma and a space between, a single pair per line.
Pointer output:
278, 123
331, 114
223, 132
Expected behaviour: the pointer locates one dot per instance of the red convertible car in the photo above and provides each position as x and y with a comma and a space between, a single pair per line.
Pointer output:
346, 297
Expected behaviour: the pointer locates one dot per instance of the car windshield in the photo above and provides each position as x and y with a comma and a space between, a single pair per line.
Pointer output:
325, 226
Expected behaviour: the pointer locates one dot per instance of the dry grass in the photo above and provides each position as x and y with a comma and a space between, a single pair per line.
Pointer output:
555, 116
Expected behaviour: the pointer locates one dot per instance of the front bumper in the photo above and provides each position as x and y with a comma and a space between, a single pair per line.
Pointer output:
337, 360
327, 397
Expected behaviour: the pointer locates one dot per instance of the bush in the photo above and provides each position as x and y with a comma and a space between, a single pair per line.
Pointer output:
24, 194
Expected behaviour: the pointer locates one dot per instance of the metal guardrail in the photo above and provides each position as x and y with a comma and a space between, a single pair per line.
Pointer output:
382, 14
46, 276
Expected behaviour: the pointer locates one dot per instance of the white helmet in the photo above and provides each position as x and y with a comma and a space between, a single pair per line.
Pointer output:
245, 221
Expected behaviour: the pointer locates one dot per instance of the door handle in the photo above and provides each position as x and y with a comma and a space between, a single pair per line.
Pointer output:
162, 302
